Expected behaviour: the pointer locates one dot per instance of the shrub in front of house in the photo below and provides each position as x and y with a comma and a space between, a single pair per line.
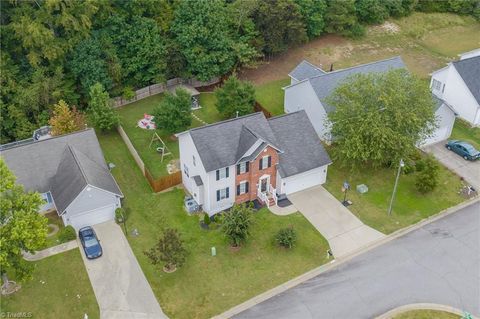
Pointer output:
236, 224
66, 234
427, 178
286, 237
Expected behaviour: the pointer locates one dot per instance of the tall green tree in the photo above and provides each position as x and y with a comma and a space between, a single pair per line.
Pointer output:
235, 96
313, 15
174, 113
280, 24
371, 11
100, 110
380, 117
340, 16
22, 228
202, 32
169, 250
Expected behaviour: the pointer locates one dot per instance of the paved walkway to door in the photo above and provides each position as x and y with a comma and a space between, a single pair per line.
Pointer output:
121, 289
343, 230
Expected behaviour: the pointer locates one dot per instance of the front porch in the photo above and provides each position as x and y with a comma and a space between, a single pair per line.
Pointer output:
266, 193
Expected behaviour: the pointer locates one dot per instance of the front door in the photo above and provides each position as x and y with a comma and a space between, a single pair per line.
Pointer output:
264, 184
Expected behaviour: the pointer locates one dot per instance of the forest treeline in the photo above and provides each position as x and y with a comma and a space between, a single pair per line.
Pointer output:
58, 49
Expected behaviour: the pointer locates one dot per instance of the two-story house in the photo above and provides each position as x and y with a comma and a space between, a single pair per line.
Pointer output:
458, 84
249, 158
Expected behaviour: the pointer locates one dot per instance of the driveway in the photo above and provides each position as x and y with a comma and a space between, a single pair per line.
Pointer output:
343, 230
470, 171
121, 289
437, 263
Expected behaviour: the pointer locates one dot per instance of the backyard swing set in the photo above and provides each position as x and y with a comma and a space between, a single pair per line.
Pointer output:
162, 147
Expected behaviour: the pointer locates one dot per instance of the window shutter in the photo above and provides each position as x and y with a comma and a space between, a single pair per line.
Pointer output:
247, 164
218, 174
238, 169
246, 187
269, 161
227, 191
218, 195
238, 189
260, 164
226, 171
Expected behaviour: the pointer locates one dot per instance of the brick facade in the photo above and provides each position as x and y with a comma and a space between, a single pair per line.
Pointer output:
254, 173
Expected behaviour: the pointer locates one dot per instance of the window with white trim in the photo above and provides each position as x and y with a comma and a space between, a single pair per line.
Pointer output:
242, 168
223, 194
222, 173
47, 197
265, 162
185, 170
436, 85
242, 188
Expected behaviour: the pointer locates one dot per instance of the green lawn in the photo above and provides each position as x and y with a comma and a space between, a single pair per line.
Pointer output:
53, 218
130, 115
60, 288
426, 314
409, 207
270, 95
465, 132
207, 285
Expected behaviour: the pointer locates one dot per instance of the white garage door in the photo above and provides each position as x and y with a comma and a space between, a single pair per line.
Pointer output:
300, 182
93, 217
441, 134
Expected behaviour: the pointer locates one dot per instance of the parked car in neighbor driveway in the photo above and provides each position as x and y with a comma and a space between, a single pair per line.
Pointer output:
90, 243
464, 149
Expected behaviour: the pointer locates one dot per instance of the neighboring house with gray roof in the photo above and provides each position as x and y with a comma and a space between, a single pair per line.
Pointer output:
249, 158
310, 94
71, 174
304, 70
459, 85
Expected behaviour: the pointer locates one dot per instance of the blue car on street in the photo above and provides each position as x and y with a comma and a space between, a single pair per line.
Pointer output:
90, 242
465, 150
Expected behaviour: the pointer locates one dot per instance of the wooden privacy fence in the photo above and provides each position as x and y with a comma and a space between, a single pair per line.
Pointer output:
160, 88
158, 184
259, 108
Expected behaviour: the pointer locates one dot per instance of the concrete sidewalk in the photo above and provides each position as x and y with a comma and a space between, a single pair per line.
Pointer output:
51, 251
343, 230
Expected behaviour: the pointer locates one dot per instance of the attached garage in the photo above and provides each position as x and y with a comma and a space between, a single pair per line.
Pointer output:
93, 217
445, 119
299, 182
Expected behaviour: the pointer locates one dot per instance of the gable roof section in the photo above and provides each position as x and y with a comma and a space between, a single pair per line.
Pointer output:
305, 70
469, 70
223, 143
324, 85
68, 182
302, 149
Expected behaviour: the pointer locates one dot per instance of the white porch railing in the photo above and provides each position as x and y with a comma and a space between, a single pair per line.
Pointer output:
264, 195
273, 191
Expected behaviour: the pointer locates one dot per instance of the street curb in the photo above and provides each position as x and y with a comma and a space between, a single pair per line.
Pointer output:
339, 261
421, 306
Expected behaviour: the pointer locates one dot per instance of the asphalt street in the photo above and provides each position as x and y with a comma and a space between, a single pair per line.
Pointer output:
437, 263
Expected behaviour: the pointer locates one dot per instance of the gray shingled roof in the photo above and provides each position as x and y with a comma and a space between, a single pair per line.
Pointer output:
325, 84
55, 164
305, 70
221, 144
469, 70
292, 134
302, 149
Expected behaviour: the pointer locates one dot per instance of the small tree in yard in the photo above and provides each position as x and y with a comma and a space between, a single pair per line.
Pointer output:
236, 224
235, 96
169, 250
380, 117
22, 228
286, 237
66, 120
174, 112
427, 178
100, 111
